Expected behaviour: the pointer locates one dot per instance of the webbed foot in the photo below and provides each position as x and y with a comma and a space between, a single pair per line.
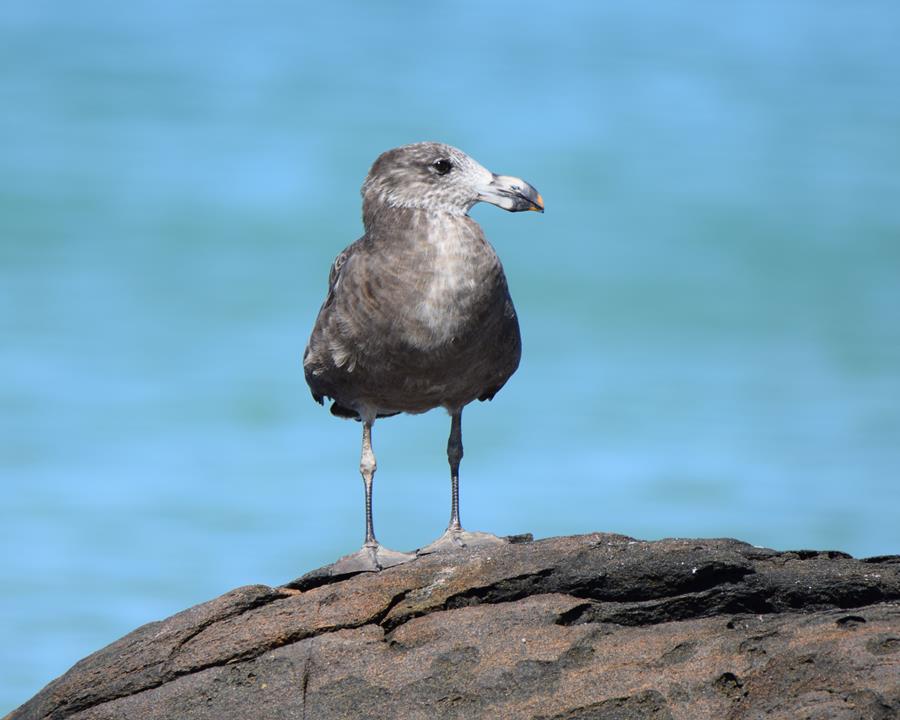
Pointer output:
455, 539
370, 558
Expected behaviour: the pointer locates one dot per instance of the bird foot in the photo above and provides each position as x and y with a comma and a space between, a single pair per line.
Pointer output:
369, 558
454, 539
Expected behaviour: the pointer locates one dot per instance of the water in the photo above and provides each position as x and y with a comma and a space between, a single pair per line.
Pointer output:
709, 305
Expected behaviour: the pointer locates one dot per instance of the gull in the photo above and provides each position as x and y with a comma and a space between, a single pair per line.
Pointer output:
418, 314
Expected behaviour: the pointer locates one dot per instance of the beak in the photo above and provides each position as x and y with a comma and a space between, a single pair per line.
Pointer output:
511, 193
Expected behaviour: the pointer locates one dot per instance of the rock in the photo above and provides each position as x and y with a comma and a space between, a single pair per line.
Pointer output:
595, 627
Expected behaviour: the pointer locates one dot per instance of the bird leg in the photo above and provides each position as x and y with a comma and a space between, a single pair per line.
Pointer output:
367, 467
372, 555
454, 536
454, 455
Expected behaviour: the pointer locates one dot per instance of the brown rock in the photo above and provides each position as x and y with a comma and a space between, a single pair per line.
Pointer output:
597, 627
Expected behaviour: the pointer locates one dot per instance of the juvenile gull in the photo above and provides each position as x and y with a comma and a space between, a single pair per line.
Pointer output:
418, 314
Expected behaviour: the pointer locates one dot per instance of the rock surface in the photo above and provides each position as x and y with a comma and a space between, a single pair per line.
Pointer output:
594, 627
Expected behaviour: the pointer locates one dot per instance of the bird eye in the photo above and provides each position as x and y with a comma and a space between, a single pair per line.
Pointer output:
443, 166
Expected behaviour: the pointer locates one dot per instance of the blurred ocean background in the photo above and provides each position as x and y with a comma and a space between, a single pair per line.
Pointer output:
710, 305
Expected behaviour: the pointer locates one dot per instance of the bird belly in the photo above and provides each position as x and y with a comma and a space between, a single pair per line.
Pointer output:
456, 359
442, 311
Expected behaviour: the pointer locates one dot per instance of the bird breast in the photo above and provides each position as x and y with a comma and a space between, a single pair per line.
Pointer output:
457, 275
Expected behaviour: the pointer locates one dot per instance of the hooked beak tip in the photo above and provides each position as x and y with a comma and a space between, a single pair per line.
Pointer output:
512, 194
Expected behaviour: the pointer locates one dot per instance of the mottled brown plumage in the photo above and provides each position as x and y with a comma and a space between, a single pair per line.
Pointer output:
418, 314
395, 335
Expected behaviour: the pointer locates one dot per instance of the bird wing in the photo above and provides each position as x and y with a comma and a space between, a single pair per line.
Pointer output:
334, 273
313, 358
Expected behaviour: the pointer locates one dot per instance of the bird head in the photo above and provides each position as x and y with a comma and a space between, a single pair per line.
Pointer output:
441, 178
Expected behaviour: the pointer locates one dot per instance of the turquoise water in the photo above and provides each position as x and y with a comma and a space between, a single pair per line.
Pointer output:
709, 305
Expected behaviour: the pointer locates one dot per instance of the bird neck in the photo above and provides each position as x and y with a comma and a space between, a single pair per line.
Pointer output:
379, 202
385, 220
